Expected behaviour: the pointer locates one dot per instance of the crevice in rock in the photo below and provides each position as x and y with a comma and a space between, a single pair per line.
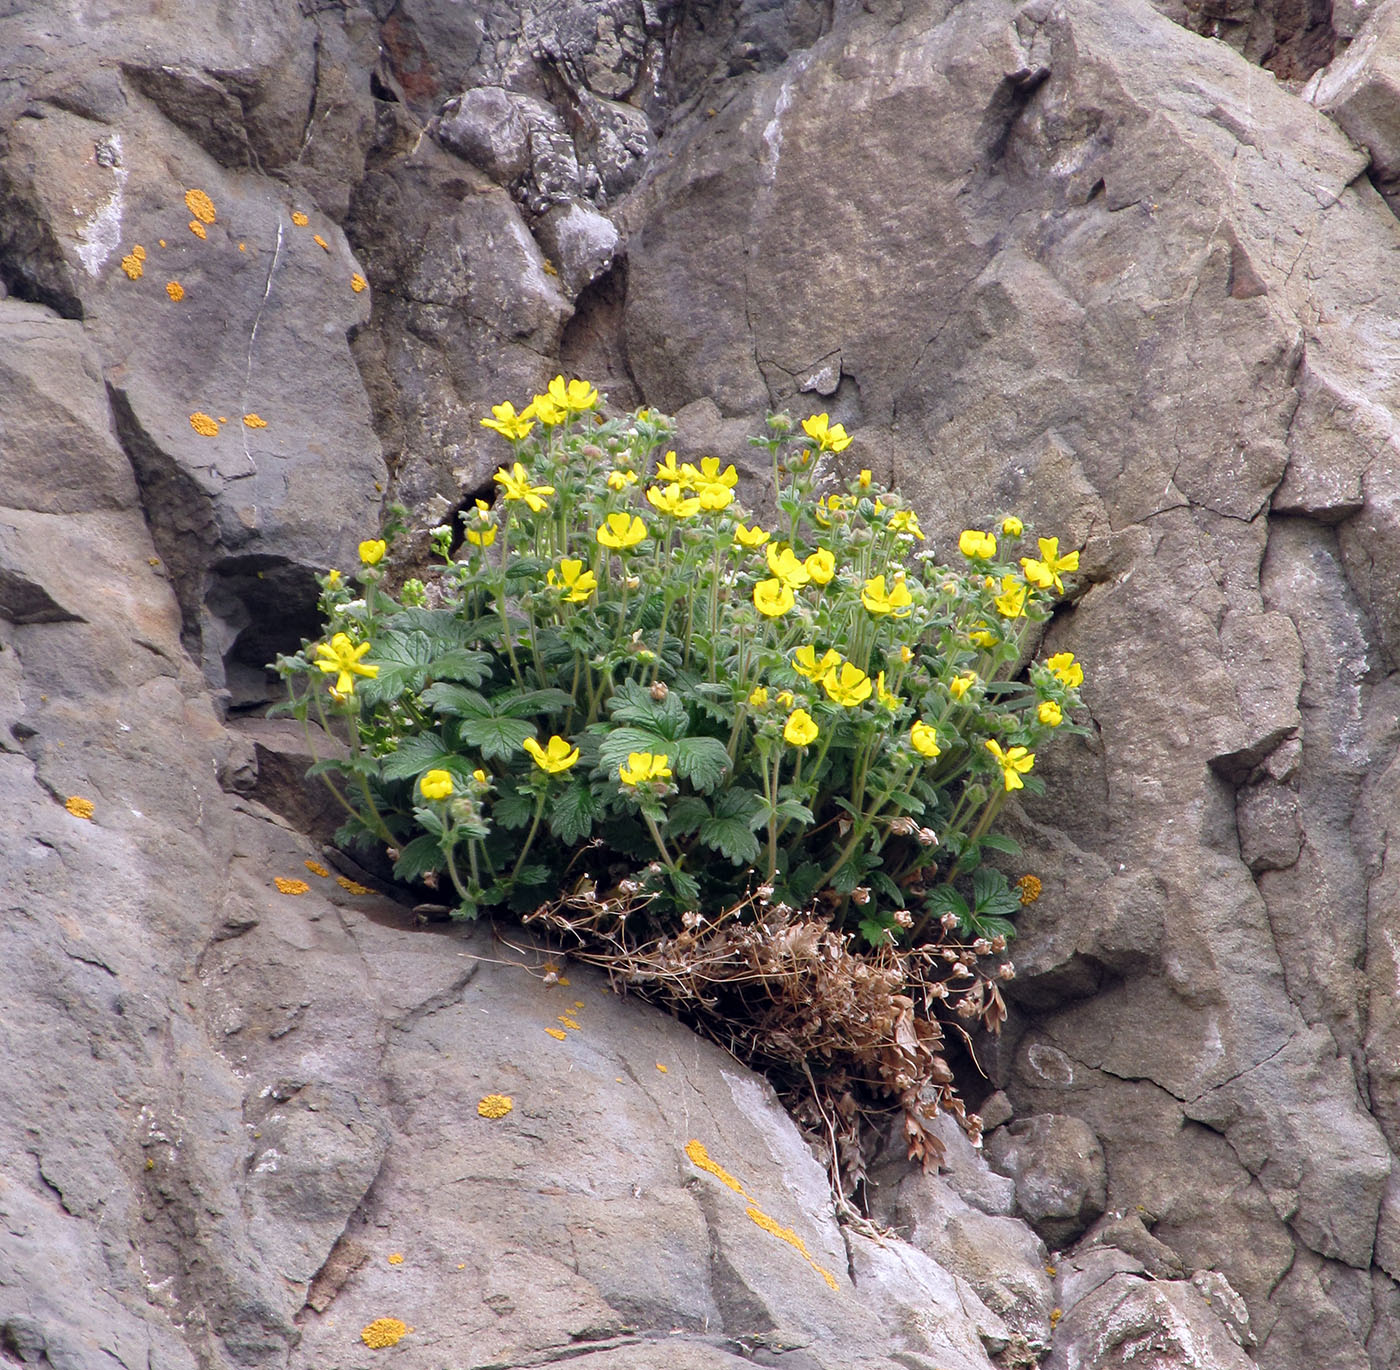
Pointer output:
1291, 38
32, 267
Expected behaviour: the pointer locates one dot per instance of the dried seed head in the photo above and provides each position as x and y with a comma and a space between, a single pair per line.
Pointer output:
1006, 971
904, 826
999, 943
904, 918
949, 921
968, 1009
860, 895
981, 946
927, 837
659, 690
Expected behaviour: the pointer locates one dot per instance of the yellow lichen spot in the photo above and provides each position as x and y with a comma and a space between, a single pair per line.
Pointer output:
558, 1033
564, 980
578, 1003
139, 252
357, 283
384, 1332
316, 868
786, 1234
352, 886
661, 1068
162, 242
152, 561
396, 1258
1030, 888
254, 421
200, 205
289, 886
320, 241
242, 247
1055, 1315
223, 418
175, 290
462, 1266
549, 268
700, 1156
150, 1164
206, 425
1052, 1271
80, 807
131, 264
299, 219
569, 1022
495, 1105
197, 229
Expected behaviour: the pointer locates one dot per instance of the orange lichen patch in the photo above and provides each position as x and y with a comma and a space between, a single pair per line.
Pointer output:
661, 1068
175, 290
1030, 888
131, 264
357, 283
316, 868
299, 219
152, 561
80, 807
578, 1003
254, 421
700, 1156
396, 1258
288, 886
223, 418
563, 980
139, 252
320, 241
568, 1021
352, 886
242, 247
162, 242
204, 424
549, 268
200, 205
557, 1033
1055, 1315
384, 1332
495, 1105
786, 1234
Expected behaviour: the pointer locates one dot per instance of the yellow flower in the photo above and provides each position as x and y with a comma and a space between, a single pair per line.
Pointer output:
557, 757
827, 438
620, 480
821, 566
805, 663
643, 767
435, 785
750, 537
906, 655
772, 598
480, 776
879, 602
923, 737
1050, 713
372, 551
785, 698
484, 534
710, 474
622, 530
671, 500
800, 729
977, 546
332, 579
668, 473
80, 807
758, 697
1046, 572
341, 658
543, 408
1011, 526
1011, 603
824, 510
713, 495
576, 396
784, 565
516, 485
494, 1105
983, 637
890, 701
1014, 763
505, 421
1066, 670
847, 686
572, 581
906, 521
864, 478
961, 684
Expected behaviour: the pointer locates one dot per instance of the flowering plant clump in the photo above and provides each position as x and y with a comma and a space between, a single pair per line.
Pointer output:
621, 681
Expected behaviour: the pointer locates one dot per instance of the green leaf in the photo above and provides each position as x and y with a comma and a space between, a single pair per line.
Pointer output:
572, 811
882, 884
632, 703
877, 929
790, 810
456, 701
424, 752
732, 837
991, 895
686, 815
418, 858
529, 703
512, 809
499, 739
996, 841
686, 888
945, 899
701, 760
802, 883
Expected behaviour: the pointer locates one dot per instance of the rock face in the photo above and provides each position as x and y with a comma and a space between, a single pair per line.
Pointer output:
1068, 258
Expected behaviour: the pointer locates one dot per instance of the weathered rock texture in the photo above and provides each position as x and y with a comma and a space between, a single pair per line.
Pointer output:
1068, 258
